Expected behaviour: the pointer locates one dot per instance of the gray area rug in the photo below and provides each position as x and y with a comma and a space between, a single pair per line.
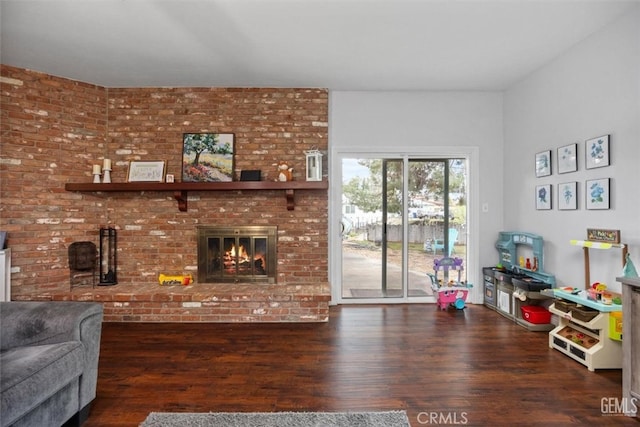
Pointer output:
278, 419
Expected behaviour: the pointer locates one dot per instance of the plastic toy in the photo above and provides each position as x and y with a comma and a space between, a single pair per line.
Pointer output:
449, 292
179, 279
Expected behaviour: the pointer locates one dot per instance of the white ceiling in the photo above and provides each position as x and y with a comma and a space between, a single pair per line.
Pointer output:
334, 44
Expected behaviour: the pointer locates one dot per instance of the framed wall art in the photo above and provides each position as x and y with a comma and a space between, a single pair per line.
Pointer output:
567, 159
568, 196
543, 163
597, 193
543, 197
597, 152
146, 171
207, 157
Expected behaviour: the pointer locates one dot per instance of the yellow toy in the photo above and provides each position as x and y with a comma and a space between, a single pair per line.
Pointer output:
179, 279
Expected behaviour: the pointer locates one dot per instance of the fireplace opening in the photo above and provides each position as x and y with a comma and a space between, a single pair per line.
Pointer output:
237, 254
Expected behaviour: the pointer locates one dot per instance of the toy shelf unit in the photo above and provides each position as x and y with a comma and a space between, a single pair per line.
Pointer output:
518, 288
585, 331
449, 292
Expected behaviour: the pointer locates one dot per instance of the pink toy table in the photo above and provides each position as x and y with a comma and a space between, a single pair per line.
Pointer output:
449, 292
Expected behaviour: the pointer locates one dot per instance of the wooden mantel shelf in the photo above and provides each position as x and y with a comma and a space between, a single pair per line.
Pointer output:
181, 189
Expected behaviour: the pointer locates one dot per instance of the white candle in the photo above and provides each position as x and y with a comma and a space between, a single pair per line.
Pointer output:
96, 169
107, 164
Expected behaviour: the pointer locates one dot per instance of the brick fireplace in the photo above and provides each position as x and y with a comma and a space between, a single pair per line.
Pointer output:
55, 129
237, 254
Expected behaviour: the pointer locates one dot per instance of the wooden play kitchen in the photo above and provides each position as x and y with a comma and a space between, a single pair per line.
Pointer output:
590, 320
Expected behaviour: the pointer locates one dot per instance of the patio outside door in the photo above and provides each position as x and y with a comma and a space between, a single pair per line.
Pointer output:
394, 216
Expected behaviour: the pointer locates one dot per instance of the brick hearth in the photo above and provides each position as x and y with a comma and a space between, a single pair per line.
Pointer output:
204, 303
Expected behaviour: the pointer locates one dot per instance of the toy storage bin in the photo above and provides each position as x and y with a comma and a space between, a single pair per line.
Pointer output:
564, 306
535, 314
584, 314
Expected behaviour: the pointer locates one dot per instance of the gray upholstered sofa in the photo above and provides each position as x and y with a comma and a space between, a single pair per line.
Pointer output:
48, 361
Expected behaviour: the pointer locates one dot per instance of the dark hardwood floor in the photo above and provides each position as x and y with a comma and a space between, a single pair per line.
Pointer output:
471, 367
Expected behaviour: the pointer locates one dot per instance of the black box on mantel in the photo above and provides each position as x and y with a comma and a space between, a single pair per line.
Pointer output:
250, 175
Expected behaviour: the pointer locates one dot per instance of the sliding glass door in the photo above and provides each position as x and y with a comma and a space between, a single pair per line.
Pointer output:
394, 215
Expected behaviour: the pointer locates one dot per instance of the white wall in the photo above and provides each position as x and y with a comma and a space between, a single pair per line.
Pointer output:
422, 122
591, 90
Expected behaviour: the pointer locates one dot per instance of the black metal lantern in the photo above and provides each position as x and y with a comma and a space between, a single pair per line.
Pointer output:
108, 257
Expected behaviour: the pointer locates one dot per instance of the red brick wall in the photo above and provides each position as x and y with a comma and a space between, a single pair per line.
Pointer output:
54, 129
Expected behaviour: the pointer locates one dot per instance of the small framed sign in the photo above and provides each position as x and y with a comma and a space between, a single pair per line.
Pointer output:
146, 171
601, 235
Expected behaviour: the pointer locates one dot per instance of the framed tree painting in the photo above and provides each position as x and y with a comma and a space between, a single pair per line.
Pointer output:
597, 193
568, 196
543, 197
207, 157
543, 163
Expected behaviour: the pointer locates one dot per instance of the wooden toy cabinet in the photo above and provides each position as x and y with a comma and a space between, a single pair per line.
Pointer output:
631, 343
586, 342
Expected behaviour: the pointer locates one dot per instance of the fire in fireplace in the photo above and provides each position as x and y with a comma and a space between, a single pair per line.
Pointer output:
237, 254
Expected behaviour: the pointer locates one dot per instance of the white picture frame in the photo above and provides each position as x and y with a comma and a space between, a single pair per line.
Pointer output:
567, 158
146, 171
568, 196
596, 151
543, 197
597, 194
543, 163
